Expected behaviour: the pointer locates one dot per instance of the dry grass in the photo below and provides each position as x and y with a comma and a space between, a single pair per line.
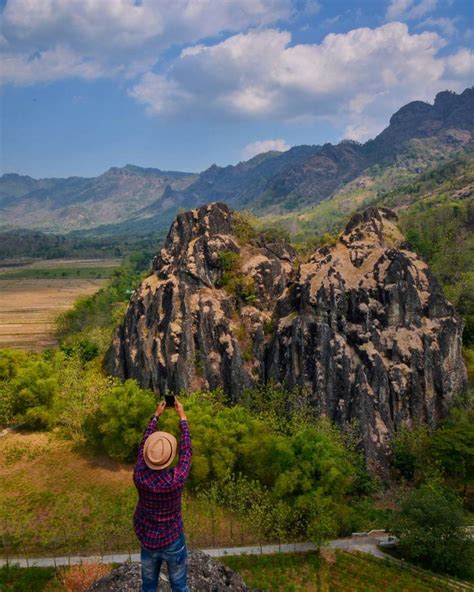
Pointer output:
29, 307
79, 578
56, 499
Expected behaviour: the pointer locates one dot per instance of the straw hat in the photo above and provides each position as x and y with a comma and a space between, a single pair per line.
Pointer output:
159, 450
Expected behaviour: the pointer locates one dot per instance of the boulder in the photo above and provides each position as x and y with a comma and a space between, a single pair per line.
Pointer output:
204, 575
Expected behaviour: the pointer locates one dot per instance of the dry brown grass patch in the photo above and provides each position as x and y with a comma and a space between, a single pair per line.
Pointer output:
79, 578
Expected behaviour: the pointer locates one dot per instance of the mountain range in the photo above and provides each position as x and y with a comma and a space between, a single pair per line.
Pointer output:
132, 199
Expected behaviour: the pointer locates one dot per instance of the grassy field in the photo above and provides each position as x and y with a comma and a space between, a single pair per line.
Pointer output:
29, 307
57, 499
33, 295
61, 268
59, 273
335, 571
332, 572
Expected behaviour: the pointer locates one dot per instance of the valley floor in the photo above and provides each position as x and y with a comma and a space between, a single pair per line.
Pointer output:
29, 307
33, 295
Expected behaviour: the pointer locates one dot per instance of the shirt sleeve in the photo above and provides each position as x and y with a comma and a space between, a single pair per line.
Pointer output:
151, 427
181, 471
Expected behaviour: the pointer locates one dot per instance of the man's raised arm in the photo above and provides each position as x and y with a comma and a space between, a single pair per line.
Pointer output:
150, 428
183, 467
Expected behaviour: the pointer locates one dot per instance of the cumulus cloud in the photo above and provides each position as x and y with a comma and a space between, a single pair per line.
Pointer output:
261, 146
123, 35
409, 9
361, 76
446, 25
59, 62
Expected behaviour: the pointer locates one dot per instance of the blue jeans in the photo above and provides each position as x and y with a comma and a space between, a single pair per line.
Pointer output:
175, 556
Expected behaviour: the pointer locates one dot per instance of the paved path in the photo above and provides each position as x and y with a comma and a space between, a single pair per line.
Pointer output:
366, 544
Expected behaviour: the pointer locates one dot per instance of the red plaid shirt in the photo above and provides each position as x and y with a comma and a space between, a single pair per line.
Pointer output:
157, 520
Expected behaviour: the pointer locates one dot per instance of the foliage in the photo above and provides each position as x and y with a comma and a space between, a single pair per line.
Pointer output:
430, 529
411, 451
337, 571
17, 579
104, 309
27, 392
453, 445
232, 280
419, 453
79, 578
244, 226
117, 425
53, 388
36, 244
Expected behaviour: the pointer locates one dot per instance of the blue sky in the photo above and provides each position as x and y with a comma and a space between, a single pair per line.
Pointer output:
183, 84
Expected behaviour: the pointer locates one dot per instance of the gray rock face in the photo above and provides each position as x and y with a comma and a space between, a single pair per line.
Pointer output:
362, 326
190, 327
204, 575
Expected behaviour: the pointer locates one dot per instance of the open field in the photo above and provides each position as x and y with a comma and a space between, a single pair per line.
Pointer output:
33, 295
58, 499
60, 268
335, 571
29, 307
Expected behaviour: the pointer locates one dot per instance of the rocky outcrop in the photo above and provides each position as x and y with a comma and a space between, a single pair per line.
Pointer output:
362, 327
198, 321
367, 331
204, 575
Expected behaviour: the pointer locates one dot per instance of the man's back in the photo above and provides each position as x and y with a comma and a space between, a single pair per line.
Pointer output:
157, 520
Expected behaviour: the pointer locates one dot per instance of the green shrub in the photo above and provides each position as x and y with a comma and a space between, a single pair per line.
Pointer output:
28, 396
411, 451
18, 579
430, 529
453, 445
117, 426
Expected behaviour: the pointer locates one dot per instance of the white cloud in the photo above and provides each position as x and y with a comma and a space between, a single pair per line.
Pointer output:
409, 9
59, 62
124, 35
312, 7
446, 25
360, 77
460, 65
261, 146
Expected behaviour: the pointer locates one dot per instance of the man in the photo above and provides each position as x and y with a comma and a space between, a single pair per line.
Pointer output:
157, 520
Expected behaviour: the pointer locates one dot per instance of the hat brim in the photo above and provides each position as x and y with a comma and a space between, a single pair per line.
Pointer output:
155, 466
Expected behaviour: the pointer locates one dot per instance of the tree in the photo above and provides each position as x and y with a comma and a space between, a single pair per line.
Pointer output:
118, 424
411, 451
430, 529
453, 445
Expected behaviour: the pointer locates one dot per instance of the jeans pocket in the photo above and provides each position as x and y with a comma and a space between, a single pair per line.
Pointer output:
178, 553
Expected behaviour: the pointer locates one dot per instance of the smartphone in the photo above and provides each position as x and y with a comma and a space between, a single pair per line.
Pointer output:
169, 400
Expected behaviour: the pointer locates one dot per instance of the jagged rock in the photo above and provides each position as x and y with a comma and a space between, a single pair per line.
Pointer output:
182, 329
373, 338
362, 327
204, 575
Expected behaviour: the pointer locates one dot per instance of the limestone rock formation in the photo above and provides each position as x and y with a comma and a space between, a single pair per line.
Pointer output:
198, 321
204, 575
362, 327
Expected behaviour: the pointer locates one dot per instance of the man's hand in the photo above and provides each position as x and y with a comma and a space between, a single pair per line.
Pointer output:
179, 409
161, 407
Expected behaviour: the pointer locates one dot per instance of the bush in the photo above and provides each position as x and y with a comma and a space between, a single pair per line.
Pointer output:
411, 451
430, 529
19, 579
117, 426
79, 578
453, 445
